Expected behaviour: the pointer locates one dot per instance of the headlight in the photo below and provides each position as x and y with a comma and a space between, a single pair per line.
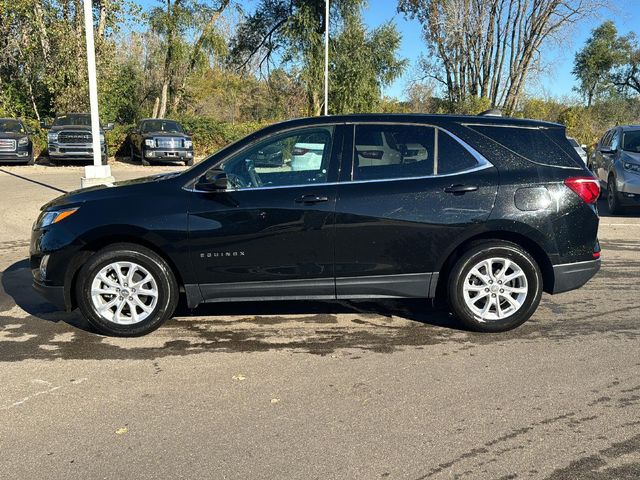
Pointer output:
49, 218
632, 167
188, 143
52, 136
23, 141
149, 142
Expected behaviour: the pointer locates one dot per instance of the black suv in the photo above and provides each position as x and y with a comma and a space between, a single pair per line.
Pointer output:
15, 143
159, 140
486, 212
70, 138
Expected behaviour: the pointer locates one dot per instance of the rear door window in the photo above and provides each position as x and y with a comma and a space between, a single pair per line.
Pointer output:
407, 151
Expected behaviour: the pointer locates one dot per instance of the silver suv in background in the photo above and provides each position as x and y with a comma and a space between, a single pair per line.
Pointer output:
69, 138
616, 163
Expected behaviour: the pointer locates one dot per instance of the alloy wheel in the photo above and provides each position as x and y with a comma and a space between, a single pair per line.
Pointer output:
495, 289
124, 293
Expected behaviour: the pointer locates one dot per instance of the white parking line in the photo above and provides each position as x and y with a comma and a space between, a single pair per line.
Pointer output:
620, 224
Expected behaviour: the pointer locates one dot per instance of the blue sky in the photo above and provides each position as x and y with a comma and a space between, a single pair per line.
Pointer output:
558, 82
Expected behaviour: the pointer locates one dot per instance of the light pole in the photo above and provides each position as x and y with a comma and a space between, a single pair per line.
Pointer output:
326, 57
97, 173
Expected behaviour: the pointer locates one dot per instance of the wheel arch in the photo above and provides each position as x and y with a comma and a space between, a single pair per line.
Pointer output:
97, 244
532, 247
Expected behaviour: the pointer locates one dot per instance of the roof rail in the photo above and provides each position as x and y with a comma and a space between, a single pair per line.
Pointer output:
493, 112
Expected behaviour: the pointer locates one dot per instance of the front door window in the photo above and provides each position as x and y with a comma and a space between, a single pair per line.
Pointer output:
300, 157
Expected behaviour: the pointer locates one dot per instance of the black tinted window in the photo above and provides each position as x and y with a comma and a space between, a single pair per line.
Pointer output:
11, 126
531, 143
161, 126
393, 151
453, 157
631, 141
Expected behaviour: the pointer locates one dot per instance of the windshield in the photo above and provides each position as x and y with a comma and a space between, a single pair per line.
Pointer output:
11, 126
631, 141
74, 119
161, 126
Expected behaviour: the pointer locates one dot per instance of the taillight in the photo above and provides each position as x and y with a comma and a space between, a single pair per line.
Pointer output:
587, 188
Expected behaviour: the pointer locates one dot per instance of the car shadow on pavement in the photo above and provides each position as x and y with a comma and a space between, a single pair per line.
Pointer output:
32, 328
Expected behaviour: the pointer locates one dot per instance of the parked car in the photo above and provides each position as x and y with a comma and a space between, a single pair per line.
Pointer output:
69, 138
15, 142
502, 210
616, 162
580, 149
160, 140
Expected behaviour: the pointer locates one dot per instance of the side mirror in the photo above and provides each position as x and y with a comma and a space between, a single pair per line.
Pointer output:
212, 181
44, 125
608, 150
108, 127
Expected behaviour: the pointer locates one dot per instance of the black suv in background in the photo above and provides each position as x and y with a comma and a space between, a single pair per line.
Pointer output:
485, 212
160, 140
616, 162
15, 143
69, 138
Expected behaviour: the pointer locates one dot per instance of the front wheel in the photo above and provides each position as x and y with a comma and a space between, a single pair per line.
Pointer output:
189, 162
126, 290
613, 201
495, 286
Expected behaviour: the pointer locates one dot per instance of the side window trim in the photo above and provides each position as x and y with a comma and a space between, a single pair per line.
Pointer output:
483, 163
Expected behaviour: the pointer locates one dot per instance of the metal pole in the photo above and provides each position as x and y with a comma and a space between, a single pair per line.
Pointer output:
96, 173
326, 57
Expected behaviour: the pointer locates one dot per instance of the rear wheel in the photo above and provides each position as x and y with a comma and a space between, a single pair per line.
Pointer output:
126, 290
613, 200
495, 286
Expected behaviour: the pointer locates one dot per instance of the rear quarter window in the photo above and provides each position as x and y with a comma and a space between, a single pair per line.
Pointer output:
540, 145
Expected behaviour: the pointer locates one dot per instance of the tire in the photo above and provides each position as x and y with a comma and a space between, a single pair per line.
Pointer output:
527, 282
132, 156
613, 200
189, 162
145, 162
30, 161
126, 317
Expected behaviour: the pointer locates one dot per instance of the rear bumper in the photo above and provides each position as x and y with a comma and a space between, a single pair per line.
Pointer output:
53, 295
571, 276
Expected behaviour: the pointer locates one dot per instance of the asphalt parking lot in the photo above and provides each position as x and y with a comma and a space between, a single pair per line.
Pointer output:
309, 390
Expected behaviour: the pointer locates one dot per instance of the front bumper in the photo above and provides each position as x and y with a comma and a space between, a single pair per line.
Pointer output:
571, 276
18, 156
73, 151
52, 294
167, 154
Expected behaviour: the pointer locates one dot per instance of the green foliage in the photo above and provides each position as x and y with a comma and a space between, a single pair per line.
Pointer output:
594, 65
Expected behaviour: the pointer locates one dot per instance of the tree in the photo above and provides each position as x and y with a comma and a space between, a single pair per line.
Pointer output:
489, 48
362, 63
292, 31
174, 22
593, 65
